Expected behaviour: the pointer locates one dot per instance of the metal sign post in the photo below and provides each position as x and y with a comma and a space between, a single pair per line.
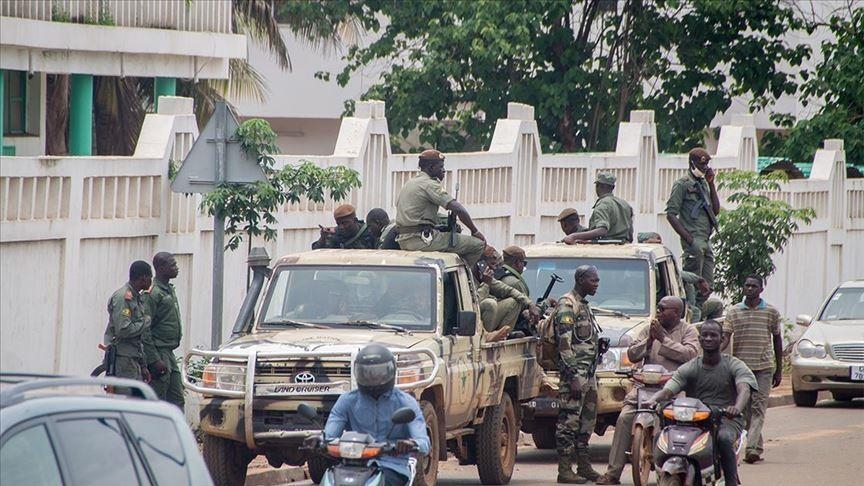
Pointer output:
199, 174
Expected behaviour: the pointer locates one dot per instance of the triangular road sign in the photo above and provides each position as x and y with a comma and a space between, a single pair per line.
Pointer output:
202, 169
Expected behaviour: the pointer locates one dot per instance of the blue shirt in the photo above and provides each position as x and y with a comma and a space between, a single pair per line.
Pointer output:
358, 412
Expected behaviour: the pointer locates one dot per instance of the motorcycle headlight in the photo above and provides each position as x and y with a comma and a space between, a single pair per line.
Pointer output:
683, 414
351, 450
224, 376
809, 349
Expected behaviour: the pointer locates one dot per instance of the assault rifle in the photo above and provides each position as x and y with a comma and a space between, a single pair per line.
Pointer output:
451, 220
553, 279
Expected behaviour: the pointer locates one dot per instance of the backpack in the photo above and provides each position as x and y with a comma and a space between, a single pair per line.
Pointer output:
548, 349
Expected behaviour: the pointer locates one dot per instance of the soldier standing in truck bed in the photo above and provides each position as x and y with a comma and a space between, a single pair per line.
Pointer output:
417, 213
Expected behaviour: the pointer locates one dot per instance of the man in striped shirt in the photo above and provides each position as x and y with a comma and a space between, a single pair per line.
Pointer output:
757, 342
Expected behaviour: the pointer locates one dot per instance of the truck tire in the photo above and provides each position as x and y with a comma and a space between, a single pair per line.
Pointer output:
804, 398
317, 466
496, 443
226, 460
544, 434
427, 467
640, 457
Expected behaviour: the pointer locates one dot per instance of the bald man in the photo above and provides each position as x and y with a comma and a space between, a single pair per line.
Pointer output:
667, 341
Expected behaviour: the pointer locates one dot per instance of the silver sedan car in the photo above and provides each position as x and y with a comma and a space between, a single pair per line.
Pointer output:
830, 354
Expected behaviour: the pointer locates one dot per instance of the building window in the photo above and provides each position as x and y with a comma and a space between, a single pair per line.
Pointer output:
15, 103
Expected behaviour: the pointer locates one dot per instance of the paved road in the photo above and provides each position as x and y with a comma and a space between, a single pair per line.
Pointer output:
822, 445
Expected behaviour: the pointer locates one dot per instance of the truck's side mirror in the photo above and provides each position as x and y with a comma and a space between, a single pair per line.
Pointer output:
467, 323
803, 320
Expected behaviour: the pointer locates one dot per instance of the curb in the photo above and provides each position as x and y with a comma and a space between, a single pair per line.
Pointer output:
272, 477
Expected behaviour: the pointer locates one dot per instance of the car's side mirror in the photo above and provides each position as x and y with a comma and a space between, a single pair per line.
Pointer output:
467, 323
403, 415
803, 320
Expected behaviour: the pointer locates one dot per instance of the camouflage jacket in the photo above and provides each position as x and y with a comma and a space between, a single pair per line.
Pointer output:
577, 333
499, 291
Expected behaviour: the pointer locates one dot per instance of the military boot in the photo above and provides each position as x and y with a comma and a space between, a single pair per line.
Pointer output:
566, 474
583, 465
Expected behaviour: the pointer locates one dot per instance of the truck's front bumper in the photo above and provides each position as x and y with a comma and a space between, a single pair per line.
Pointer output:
272, 421
611, 391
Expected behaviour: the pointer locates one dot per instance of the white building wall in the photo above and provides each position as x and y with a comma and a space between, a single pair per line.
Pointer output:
70, 227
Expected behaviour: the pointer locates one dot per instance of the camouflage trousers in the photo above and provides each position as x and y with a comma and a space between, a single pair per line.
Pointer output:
576, 416
168, 387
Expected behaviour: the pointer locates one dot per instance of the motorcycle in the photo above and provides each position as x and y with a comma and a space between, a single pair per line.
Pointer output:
356, 452
685, 452
648, 380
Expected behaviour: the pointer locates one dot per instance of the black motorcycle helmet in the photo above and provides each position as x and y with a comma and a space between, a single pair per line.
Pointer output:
375, 370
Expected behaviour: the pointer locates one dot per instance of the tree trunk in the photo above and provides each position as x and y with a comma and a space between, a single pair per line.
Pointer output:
57, 114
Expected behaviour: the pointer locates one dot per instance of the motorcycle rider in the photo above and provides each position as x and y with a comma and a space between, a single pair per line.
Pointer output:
368, 409
718, 380
669, 342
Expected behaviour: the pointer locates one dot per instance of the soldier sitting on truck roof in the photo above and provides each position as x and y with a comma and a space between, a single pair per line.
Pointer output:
500, 304
611, 218
569, 220
350, 232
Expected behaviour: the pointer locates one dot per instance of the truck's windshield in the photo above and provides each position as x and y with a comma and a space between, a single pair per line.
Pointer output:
623, 282
340, 296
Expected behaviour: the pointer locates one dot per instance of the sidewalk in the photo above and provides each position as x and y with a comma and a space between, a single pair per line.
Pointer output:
261, 474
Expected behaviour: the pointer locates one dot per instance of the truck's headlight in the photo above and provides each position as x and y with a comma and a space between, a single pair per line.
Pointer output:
224, 376
612, 359
809, 349
412, 368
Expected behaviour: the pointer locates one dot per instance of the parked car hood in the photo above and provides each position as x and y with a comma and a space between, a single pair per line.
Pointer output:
834, 332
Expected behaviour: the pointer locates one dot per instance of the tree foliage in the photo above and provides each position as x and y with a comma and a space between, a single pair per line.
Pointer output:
751, 233
250, 208
583, 64
836, 84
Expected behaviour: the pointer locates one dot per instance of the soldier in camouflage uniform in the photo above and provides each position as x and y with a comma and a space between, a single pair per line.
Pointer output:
692, 211
128, 323
500, 304
350, 232
165, 332
577, 334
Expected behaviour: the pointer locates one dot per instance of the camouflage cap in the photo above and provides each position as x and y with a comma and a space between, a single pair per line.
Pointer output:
699, 154
514, 252
566, 213
344, 211
431, 155
607, 178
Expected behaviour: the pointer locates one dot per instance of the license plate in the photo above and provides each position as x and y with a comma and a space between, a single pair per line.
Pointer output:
856, 373
289, 389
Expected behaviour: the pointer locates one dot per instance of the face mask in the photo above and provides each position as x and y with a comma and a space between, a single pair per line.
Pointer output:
696, 172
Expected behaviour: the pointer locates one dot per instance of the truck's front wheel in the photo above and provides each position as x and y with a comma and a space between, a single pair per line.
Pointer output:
427, 467
496, 443
226, 460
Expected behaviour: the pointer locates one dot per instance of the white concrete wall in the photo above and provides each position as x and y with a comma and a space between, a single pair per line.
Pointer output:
69, 227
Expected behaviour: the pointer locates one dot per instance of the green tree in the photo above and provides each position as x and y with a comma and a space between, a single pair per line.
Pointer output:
837, 85
250, 208
751, 233
584, 65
